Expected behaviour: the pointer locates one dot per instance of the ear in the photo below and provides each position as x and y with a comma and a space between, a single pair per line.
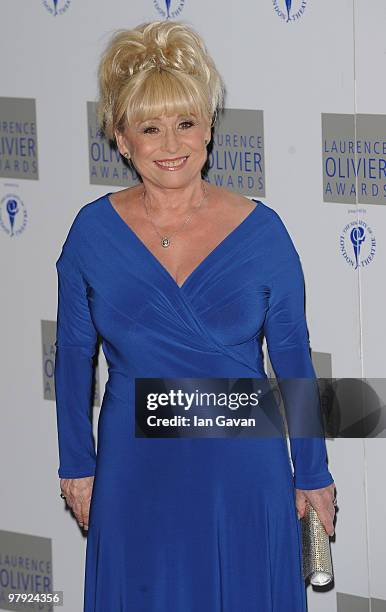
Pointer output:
208, 133
121, 142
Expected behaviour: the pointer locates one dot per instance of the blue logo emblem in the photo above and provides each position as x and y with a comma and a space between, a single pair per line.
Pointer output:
56, 7
13, 215
357, 244
289, 10
169, 9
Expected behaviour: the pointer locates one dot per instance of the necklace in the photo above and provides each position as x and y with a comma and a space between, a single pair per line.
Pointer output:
166, 240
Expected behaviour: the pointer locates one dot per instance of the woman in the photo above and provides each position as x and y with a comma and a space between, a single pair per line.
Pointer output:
180, 279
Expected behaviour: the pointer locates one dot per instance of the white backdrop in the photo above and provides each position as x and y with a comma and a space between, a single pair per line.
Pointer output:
330, 59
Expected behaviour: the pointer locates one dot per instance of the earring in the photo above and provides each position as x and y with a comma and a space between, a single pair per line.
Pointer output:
126, 155
206, 141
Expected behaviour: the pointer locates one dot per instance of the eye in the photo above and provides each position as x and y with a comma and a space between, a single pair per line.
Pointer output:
151, 129
186, 124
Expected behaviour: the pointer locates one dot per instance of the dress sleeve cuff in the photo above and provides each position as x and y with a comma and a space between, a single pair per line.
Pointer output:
77, 472
313, 481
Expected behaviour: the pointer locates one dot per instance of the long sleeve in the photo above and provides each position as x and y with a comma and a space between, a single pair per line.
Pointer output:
75, 346
286, 333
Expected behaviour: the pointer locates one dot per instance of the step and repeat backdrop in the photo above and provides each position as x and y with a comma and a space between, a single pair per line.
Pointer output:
304, 130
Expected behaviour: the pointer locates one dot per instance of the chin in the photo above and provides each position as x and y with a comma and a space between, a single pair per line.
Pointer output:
175, 179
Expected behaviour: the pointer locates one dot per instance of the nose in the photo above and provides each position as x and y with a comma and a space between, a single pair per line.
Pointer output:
170, 141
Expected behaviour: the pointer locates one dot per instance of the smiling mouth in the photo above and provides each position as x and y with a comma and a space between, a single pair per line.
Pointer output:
171, 164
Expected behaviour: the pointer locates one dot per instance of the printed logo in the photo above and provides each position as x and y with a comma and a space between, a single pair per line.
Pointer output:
169, 9
354, 158
56, 7
289, 10
107, 167
13, 215
20, 553
357, 244
18, 139
48, 335
48, 331
236, 159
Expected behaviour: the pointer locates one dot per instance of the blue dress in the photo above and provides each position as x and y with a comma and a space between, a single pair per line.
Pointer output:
183, 524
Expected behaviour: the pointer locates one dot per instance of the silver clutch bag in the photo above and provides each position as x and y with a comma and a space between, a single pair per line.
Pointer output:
316, 552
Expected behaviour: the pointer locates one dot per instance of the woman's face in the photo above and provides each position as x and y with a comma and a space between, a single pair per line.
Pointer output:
168, 151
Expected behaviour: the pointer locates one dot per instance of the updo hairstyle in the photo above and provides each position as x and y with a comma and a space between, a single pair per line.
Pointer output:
156, 68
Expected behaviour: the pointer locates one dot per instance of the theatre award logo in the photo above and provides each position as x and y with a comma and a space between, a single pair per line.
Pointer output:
357, 244
236, 160
48, 335
13, 215
18, 139
26, 568
105, 162
354, 158
56, 7
289, 10
169, 9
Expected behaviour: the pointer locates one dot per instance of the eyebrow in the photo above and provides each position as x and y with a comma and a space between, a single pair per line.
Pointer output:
159, 118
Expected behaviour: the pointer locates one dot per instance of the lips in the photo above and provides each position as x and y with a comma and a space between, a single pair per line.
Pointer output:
171, 164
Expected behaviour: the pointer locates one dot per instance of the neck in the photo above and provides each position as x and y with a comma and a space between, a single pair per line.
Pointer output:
173, 201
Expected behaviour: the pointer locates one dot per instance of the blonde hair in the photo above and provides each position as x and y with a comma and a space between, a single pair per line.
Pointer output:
156, 68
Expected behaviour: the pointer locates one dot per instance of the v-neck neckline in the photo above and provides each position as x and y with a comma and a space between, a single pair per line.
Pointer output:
155, 259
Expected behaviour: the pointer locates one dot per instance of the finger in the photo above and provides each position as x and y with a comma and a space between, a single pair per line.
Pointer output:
85, 514
68, 501
324, 509
301, 503
64, 492
71, 500
65, 486
81, 511
77, 510
332, 509
301, 508
329, 527
326, 514
327, 522
80, 497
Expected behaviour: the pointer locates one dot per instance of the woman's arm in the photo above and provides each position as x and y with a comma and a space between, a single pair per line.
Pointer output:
287, 338
75, 347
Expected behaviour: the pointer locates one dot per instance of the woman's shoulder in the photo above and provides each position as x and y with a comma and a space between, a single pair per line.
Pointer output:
265, 214
90, 210
269, 230
89, 217
84, 223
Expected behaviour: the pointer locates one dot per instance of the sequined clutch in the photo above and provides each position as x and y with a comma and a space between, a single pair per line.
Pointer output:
316, 552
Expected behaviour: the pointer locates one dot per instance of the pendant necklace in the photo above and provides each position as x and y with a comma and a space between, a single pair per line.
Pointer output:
166, 240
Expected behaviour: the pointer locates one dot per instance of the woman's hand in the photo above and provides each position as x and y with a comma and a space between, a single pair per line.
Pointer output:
78, 496
322, 501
